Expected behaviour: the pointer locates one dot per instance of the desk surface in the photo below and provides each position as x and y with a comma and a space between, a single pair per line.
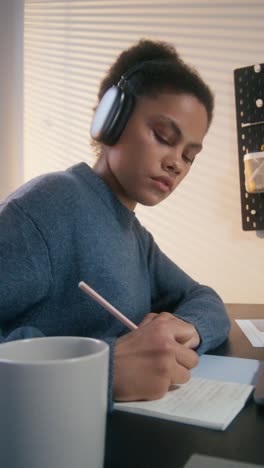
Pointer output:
136, 441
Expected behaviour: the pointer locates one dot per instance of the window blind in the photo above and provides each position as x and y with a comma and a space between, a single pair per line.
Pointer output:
69, 45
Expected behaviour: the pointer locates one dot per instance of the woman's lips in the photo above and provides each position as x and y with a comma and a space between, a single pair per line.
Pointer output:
163, 183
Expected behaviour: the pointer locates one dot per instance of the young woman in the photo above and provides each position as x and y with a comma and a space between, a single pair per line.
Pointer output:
152, 116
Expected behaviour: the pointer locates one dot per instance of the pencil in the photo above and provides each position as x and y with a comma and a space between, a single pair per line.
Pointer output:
103, 302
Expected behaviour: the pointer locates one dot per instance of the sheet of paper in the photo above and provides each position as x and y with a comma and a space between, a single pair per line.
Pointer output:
254, 331
229, 369
201, 402
216, 393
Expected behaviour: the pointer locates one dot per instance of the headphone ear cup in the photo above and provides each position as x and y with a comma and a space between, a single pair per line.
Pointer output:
111, 115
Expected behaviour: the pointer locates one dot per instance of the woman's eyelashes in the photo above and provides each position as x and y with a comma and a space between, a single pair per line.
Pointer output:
161, 139
164, 140
188, 159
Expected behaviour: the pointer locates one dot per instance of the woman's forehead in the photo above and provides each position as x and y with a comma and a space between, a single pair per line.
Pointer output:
167, 106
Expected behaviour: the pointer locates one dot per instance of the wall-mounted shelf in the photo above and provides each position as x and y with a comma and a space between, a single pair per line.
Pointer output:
249, 94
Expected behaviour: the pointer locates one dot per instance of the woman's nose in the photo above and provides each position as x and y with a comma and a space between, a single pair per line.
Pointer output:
173, 162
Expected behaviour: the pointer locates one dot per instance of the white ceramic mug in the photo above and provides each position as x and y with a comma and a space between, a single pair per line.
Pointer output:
53, 402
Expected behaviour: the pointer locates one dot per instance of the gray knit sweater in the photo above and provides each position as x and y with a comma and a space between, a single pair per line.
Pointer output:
68, 226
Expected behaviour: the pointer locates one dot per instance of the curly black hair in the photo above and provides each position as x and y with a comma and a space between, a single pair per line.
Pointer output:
163, 70
157, 67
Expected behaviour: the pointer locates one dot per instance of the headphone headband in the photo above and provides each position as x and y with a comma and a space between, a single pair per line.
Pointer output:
131, 71
125, 77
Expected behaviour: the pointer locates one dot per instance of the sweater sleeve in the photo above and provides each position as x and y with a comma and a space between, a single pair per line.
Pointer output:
174, 291
24, 264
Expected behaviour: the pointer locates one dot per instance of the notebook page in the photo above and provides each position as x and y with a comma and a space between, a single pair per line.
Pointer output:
202, 402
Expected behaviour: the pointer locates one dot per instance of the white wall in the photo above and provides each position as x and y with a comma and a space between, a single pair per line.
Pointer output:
68, 47
11, 95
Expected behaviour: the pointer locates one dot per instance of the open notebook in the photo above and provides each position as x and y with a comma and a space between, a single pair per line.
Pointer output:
216, 393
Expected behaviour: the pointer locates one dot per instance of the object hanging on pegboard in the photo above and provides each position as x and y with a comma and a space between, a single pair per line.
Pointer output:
249, 94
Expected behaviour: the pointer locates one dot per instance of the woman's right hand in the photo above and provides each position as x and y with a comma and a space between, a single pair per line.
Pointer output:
147, 361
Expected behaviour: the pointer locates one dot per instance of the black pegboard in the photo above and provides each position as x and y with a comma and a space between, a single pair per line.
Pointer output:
249, 87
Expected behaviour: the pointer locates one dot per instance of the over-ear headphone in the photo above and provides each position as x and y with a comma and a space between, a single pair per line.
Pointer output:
114, 109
